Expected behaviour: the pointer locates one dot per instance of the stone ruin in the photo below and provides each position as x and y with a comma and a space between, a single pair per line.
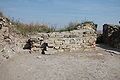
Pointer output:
88, 25
84, 38
111, 35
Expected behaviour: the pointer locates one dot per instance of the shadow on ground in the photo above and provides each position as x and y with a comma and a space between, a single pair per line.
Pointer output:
107, 47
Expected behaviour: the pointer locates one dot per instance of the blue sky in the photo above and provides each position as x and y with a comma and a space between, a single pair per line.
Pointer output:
61, 12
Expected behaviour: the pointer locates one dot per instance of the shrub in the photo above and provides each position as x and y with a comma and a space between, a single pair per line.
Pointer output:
71, 26
25, 29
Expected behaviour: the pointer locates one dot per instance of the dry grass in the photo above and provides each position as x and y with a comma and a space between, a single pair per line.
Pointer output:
25, 29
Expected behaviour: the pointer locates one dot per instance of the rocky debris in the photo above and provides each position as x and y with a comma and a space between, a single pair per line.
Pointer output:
4, 37
37, 44
111, 35
9, 42
33, 44
4, 22
4, 28
7, 51
87, 25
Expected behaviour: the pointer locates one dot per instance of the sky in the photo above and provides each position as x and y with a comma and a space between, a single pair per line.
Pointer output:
62, 12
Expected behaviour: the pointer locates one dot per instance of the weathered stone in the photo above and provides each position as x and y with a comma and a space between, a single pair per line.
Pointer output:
84, 37
72, 41
36, 45
35, 49
88, 25
56, 47
33, 43
111, 35
1, 25
4, 22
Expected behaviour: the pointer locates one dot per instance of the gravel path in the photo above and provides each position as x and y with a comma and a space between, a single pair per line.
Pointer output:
93, 65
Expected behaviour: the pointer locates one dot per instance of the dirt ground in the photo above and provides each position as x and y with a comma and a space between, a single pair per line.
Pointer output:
93, 65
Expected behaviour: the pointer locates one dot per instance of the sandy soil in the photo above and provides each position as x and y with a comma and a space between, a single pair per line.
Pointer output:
93, 65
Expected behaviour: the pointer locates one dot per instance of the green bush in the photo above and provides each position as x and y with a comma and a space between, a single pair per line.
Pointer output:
71, 26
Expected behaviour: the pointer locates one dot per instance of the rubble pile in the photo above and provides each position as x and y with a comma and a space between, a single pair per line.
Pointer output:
111, 35
4, 27
9, 43
4, 37
33, 44
88, 25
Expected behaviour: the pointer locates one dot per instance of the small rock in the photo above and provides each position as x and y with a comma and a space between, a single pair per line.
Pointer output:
39, 57
100, 54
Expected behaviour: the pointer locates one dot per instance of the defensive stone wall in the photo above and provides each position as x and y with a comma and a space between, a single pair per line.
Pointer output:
111, 35
82, 39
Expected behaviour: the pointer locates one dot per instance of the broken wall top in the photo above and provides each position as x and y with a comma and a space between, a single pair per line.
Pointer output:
87, 25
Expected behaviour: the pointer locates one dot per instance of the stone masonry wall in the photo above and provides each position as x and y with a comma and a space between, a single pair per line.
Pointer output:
73, 40
111, 35
81, 39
